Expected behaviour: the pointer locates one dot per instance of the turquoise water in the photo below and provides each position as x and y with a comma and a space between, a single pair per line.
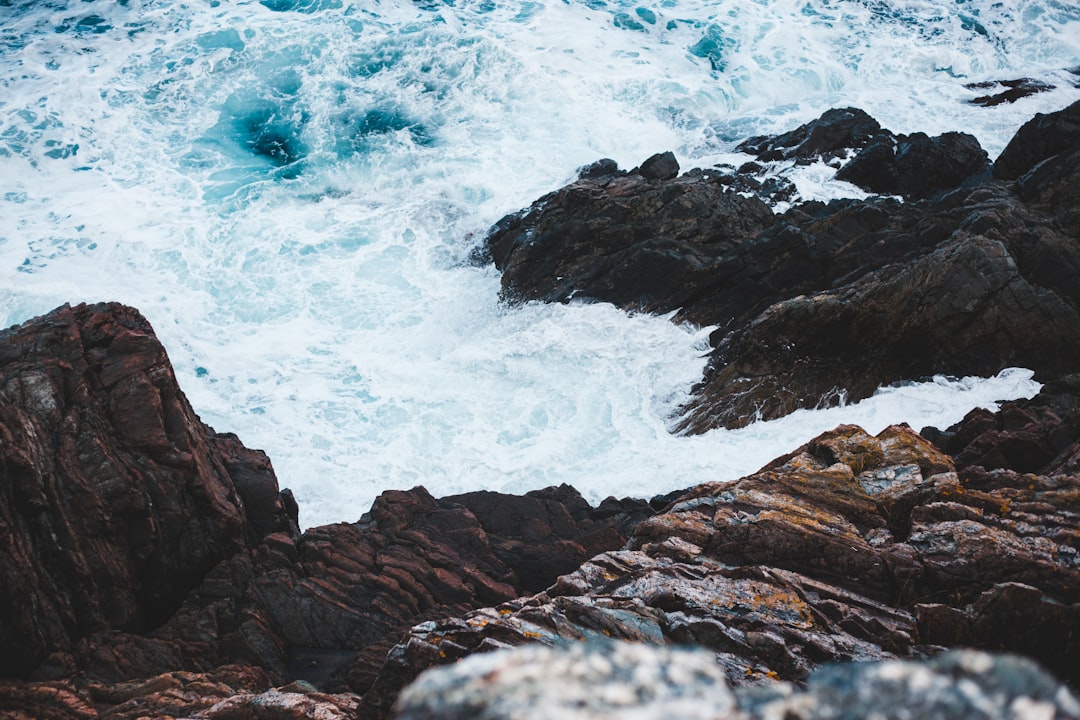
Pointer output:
290, 190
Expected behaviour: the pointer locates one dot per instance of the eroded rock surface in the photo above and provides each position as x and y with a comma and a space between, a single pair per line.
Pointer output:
138, 544
115, 500
852, 548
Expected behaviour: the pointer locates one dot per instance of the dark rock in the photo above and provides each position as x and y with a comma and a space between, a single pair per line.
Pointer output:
1013, 90
830, 136
1040, 435
915, 166
638, 244
662, 166
1038, 139
594, 681
825, 302
605, 167
139, 544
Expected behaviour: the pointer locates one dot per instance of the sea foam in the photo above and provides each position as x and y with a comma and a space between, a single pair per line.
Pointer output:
290, 191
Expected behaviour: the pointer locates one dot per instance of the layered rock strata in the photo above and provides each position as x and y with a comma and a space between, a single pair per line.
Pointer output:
829, 301
851, 548
138, 544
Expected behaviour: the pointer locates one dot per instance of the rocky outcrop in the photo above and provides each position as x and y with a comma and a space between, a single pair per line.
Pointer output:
618, 680
1042, 137
116, 500
829, 301
145, 558
851, 548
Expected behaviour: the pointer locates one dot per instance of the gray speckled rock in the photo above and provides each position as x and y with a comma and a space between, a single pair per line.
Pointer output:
583, 681
591, 681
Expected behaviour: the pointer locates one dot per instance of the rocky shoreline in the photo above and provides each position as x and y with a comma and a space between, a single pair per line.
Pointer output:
152, 567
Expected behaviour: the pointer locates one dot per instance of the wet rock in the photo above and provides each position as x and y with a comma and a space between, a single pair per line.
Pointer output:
617, 680
1008, 91
1038, 139
640, 244
140, 544
832, 135
662, 166
1040, 435
827, 302
915, 166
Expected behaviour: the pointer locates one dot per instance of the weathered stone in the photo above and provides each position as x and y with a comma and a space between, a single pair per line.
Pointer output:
853, 547
593, 681
828, 302
114, 498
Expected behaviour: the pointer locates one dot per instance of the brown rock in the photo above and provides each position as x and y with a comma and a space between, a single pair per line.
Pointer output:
115, 499
853, 547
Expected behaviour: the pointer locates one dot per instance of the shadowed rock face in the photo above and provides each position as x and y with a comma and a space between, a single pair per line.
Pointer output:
851, 548
829, 300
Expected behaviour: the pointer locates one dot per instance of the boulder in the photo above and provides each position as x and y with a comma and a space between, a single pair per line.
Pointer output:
830, 136
595, 681
915, 166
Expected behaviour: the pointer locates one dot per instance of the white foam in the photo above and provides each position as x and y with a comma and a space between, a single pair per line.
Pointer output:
328, 316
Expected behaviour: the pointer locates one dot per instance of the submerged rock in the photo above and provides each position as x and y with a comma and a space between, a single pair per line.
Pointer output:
620, 680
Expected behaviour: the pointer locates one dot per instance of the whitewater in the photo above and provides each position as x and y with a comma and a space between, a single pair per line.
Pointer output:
290, 191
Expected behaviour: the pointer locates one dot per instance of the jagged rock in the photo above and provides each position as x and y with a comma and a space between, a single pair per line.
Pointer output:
115, 499
592, 681
138, 543
830, 136
851, 548
826, 302
639, 244
915, 166
1040, 435
1039, 138
662, 166
1013, 90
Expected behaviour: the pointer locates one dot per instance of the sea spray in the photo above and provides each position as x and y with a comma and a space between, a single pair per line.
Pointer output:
290, 191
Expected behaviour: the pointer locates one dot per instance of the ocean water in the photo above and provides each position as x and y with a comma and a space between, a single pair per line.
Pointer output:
290, 189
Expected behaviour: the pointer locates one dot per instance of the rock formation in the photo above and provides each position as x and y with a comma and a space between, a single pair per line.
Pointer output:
152, 567
829, 301
146, 557
619, 680
851, 548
